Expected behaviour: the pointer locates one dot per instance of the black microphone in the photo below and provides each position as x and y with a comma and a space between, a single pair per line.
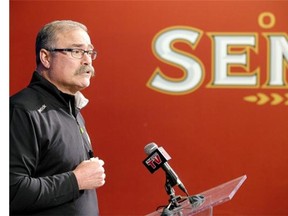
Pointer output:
158, 157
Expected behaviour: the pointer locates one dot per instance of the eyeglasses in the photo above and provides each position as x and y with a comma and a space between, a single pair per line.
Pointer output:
77, 53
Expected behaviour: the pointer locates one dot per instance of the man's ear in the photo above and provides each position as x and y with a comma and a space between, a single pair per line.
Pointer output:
45, 57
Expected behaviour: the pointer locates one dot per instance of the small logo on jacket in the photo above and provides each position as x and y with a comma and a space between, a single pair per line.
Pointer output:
41, 108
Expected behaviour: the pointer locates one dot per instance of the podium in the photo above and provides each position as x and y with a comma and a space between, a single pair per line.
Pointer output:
211, 198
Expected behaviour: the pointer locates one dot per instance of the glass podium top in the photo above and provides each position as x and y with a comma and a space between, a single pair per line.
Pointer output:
212, 197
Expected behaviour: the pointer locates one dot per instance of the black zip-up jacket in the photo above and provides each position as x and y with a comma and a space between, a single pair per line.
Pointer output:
48, 140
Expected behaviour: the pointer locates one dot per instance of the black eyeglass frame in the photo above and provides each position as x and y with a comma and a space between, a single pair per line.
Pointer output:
91, 53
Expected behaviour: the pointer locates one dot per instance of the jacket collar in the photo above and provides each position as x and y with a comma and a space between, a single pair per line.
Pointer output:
38, 81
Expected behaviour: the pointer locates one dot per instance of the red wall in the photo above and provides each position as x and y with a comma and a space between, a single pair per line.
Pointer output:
212, 132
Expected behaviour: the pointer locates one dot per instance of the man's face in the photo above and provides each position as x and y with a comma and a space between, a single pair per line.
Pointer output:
68, 73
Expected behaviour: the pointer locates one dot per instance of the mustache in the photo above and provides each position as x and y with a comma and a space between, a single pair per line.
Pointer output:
84, 69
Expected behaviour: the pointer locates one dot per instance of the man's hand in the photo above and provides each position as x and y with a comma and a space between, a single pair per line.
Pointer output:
90, 174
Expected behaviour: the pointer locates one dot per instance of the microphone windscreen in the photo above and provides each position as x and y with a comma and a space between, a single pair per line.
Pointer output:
149, 148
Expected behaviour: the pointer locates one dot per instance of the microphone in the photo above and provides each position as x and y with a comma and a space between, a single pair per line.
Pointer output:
158, 157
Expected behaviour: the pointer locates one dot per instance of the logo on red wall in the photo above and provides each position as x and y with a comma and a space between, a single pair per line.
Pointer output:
231, 57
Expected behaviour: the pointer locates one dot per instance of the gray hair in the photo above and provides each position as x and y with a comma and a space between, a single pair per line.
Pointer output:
47, 36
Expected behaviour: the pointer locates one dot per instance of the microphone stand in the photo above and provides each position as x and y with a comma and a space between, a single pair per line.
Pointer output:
195, 200
173, 201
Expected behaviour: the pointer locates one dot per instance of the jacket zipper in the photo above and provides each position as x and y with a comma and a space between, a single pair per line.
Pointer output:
81, 134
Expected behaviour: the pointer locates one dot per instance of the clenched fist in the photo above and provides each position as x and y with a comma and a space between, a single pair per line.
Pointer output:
90, 174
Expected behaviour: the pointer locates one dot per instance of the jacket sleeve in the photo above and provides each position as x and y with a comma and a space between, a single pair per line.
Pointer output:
28, 192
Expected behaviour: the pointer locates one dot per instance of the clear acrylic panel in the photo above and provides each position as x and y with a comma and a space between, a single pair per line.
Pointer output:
212, 197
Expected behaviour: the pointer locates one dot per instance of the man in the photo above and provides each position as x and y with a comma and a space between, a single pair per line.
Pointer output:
52, 169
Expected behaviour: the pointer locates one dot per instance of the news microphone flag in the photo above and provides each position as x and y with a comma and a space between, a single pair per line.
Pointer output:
156, 159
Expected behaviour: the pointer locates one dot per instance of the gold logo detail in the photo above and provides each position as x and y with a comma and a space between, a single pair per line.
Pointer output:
272, 99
